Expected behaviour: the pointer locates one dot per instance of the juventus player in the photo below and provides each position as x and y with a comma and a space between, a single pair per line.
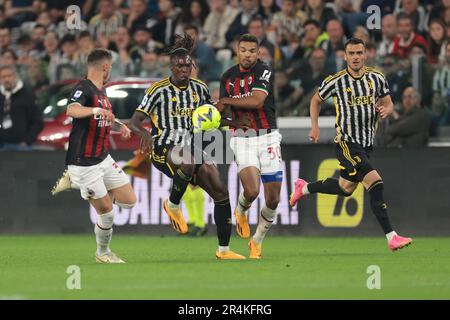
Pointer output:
361, 94
90, 167
169, 104
248, 89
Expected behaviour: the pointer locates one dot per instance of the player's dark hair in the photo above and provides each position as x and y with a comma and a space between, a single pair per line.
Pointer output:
354, 41
248, 38
98, 55
182, 46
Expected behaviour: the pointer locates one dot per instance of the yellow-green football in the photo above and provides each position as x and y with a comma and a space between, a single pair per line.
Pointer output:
205, 118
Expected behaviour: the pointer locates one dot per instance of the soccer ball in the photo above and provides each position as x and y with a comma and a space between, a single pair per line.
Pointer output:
205, 118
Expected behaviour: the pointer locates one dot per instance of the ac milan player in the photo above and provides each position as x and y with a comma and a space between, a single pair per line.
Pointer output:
248, 89
90, 167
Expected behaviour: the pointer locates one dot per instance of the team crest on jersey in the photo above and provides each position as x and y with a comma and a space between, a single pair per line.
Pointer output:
369, 82
348, 89
250, 80
195, 97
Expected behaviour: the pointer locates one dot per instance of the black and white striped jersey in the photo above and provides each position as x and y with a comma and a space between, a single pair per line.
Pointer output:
170, 109
355, 100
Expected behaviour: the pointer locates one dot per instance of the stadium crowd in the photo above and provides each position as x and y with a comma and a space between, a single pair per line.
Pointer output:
302, 39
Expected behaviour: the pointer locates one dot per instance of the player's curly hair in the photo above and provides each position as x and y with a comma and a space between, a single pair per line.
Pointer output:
183, 45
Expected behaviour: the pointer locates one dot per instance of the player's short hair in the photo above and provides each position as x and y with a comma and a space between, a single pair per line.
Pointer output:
248, 38
97, 55
354, 41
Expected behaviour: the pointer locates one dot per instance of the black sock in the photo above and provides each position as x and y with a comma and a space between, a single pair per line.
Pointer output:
328, 186
378, 205
222, 218
179, 184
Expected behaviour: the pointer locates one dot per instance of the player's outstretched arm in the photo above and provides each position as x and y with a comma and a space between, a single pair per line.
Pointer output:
77, 111
136, 127
255, 101
314, 110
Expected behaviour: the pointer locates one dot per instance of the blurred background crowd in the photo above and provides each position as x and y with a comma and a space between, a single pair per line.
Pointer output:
302, 39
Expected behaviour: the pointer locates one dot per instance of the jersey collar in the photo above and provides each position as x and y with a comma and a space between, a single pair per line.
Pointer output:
180, 88
356, 78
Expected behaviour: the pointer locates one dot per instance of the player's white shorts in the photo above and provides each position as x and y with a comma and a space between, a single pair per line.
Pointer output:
95, 181
262, 152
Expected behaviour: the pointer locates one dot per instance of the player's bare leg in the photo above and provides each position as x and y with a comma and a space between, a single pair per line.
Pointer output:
250, 179
208, 179
374, 185
266, 218
103, 230
182, 165
123, 196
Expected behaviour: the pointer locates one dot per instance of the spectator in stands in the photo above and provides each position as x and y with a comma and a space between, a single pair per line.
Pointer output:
107, 21
441, 92
52, 55
350, 14
288, 26
267, 9
23, 10
310, 78
312, 38
437, 41
239, 26
334, 46
8, 58
396, 75
257, 27
194, 13
371, 55
362, 33
410, 127
205, 56
20, 118
85, 45
66, 66
5, 38
128, 54
7, 21
406, 37
441, 11
286, 95
389, 32
164, 30
417, 13
316, 9
218, 22
139, 16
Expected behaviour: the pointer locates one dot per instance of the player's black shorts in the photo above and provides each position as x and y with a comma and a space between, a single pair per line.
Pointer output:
159, 158
353, 160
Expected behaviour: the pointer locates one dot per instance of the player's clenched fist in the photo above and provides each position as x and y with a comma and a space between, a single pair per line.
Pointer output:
314, 134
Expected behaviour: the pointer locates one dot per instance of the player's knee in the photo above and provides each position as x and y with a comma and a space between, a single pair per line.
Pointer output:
272, 202
104, 208
346, 192
251, 193
128, 205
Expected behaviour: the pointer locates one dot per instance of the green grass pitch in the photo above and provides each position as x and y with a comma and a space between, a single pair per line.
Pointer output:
34, 267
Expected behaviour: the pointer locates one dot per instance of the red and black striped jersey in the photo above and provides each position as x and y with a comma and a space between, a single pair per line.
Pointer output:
89, 138
237, 82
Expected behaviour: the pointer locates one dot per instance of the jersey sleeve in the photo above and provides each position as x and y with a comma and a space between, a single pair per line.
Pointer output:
326, 89
263, 79
150, 100
205, 96
383, 89
80, 94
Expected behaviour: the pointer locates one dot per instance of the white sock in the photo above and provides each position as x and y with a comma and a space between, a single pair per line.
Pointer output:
172, 205
224, 249
243, 204
266, 218
305, 189
390, 235
103, 232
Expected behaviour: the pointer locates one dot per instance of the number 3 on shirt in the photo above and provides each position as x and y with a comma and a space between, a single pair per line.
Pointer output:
274, 153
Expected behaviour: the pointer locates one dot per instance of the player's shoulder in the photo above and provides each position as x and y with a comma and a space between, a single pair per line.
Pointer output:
375, 71
199, 82
335, 77
158, 85
261, 65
